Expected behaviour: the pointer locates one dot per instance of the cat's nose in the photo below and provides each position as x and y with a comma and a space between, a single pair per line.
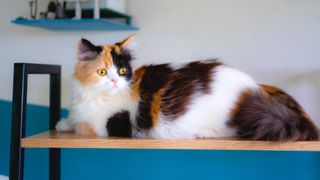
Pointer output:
114, 81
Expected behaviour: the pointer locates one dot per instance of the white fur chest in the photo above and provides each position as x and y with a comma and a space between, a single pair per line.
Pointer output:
95, 108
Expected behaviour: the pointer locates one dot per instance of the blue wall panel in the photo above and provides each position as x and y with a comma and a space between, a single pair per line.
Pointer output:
155, 164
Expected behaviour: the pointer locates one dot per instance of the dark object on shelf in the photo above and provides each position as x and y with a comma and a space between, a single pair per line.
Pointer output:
52, 10
33, 8
104, 13
43, 15
20, 18
19, 105
61, 8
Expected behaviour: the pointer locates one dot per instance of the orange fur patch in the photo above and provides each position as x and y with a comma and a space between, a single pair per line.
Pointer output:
126, 41
86, 71
85, 129
155, 106
138, 73
117, 49
137, 77
106, 56
270, 89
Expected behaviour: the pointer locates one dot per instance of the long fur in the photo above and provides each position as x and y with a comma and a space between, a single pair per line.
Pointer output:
206, 112
262, 115
97, 98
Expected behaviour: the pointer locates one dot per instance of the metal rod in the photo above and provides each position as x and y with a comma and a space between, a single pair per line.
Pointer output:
18, 123
55, 98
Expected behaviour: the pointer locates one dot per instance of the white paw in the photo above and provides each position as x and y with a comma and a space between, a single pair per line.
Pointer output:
102, 132
64, 125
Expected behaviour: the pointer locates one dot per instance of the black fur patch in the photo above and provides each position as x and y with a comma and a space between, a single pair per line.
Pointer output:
184, 82
123, 60
119, 125
155, 78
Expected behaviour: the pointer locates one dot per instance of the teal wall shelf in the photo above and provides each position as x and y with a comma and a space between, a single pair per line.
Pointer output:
78, 24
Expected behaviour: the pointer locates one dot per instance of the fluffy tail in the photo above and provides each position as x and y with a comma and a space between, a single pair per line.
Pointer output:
272, 115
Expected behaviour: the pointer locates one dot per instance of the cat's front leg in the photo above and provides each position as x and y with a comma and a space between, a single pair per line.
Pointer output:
84, 128
89, 129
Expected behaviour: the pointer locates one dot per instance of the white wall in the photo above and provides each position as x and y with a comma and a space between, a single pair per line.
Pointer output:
275, 41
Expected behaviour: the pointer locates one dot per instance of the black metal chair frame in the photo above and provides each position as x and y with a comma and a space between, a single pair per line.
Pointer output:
19, 106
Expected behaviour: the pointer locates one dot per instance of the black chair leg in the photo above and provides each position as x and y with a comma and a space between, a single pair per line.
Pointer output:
54, 171
18, 122
54, 153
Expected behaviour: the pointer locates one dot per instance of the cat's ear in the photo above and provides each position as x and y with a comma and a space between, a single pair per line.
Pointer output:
87, 50
126, 41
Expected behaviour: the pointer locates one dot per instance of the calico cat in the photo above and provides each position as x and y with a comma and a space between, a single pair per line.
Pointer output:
201, 99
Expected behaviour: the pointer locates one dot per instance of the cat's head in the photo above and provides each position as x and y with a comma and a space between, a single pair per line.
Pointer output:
106, 68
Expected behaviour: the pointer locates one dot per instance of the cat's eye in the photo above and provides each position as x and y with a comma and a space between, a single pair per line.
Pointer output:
123, 71
102, 72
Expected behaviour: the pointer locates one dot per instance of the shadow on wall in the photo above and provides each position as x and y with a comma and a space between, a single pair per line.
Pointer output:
156, 164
